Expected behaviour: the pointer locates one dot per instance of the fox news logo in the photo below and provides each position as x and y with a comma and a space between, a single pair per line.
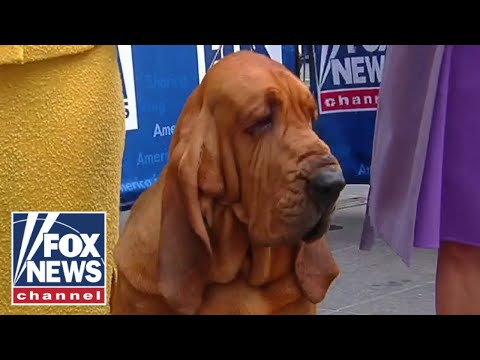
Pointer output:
349, 77
58, 258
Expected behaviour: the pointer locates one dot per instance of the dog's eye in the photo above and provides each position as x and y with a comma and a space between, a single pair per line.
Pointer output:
261, 126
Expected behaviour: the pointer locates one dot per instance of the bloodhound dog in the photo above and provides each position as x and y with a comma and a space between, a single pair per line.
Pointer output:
236, 223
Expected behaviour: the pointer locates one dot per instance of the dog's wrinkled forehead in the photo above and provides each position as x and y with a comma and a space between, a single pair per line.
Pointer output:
245, 78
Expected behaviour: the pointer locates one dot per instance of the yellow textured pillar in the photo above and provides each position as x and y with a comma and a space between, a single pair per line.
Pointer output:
61, 144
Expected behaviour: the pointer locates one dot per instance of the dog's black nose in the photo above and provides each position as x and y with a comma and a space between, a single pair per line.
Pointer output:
327, 184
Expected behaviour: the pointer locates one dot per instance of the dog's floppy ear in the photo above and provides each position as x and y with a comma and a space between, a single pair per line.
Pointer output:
316, 269
185, 249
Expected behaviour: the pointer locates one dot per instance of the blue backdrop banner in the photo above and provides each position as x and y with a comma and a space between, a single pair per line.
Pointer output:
157, 80
348, 79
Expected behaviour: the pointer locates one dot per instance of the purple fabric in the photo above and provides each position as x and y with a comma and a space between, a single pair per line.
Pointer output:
425, 160
461, 171
429, 208
402, 130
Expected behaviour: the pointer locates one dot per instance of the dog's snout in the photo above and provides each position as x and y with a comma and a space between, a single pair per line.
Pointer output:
327, 184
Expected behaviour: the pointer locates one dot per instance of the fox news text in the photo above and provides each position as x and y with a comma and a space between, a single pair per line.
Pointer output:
58, 258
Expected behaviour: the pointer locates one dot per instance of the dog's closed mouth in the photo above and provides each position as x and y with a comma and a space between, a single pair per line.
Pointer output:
317, 231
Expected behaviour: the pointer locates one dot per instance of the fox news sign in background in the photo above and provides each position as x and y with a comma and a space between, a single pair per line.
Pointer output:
58, 258
157, 80
347, 86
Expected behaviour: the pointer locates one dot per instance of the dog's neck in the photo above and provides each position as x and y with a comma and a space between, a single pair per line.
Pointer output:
266, 264
235, 256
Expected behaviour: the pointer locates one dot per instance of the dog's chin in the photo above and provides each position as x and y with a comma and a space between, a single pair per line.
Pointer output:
318, 230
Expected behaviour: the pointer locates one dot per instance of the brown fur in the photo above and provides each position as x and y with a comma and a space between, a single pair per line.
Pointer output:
220, 232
